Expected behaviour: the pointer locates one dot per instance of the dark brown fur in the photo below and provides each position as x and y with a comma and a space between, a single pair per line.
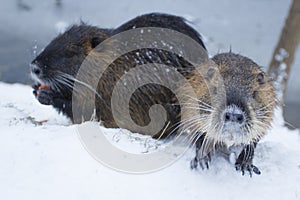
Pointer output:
66, 53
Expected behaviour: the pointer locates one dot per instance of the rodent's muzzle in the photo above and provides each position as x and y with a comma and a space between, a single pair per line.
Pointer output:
234, 114
233, 119
36, 71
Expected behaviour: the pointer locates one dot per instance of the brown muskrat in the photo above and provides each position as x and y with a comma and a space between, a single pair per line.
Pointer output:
235, 119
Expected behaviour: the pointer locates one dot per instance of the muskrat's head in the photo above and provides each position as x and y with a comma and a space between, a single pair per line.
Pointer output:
58, 64
247, 111
239, 114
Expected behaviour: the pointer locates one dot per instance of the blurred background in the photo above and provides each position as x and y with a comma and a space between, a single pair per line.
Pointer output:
251, 28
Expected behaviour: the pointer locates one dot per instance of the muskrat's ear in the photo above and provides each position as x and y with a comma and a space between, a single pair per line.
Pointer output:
95, 41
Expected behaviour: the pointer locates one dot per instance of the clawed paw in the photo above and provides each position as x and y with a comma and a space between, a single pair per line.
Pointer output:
247, 167
202, 162
43, 94
45, 97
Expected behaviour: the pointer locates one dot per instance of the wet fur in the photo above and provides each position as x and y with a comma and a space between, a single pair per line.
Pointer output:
247, 86
62, 58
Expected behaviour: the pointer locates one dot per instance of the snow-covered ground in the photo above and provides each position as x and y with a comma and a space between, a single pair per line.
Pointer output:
47, 161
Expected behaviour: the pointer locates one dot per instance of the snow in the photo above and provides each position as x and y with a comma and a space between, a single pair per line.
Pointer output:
279, 82
281, 55
47, 161
61, 26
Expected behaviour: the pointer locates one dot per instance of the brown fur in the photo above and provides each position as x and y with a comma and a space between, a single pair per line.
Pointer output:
235, 77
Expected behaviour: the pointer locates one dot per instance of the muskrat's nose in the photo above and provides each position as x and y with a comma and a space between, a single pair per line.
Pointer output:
239, 118
35, 69
234, 114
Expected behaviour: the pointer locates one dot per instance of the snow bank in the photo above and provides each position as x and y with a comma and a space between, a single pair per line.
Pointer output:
48, 161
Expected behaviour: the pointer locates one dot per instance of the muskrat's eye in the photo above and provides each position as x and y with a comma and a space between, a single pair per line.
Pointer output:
261, 78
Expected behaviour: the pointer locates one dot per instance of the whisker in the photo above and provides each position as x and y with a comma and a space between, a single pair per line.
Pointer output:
199, 101
200, 108
70, 77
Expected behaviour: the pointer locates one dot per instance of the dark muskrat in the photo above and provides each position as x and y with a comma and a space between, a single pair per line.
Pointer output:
60, 61
238, 117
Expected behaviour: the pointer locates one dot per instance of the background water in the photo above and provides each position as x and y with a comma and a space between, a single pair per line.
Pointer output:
251, 28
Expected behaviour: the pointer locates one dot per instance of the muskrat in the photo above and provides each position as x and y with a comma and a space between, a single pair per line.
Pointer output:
240, 115
65, 54
239, 120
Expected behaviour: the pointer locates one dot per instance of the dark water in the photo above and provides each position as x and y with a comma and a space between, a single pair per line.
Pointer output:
15, 54
29, 23
20, 32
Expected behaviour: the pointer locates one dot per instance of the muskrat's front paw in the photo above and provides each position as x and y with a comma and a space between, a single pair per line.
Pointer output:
247, 166
43, 93
44, 96
203, 162
35, 88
